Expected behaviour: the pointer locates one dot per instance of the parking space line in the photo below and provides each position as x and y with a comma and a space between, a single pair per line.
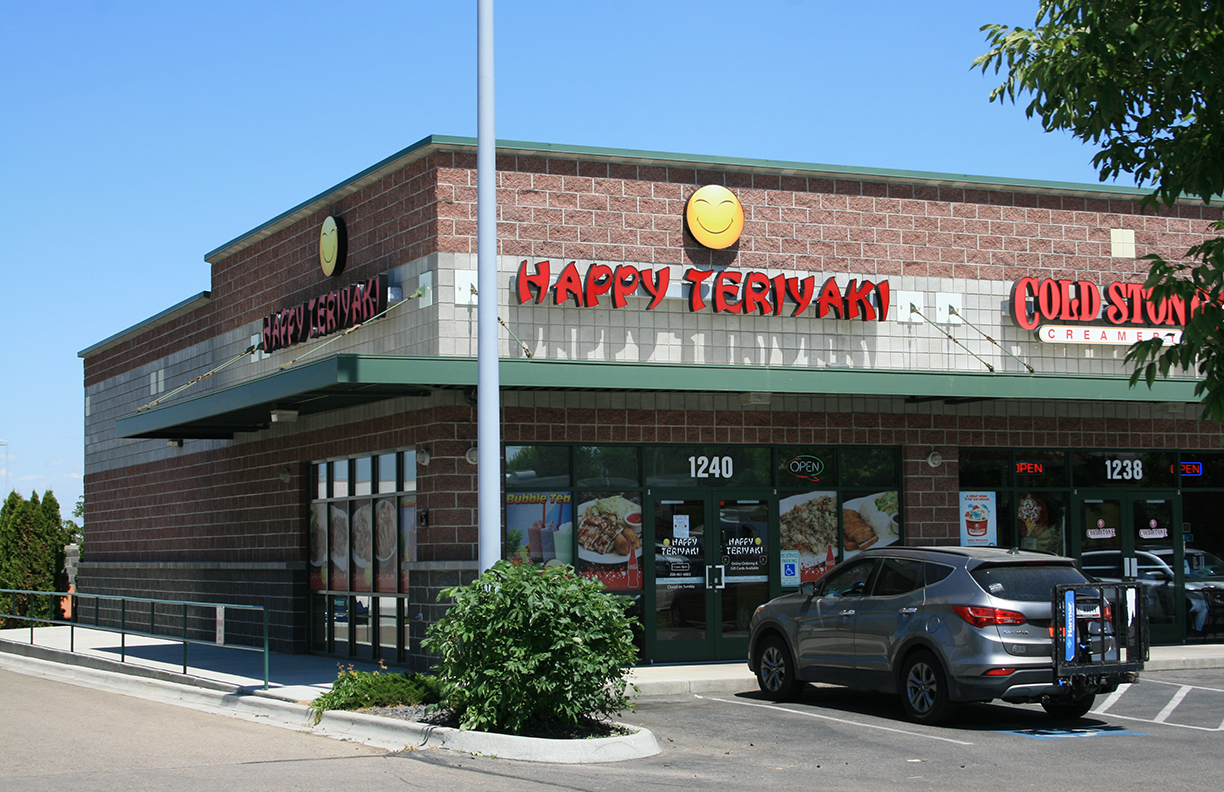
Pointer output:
1178, 725
1113, 697
1178, 684
836, 720
1164, 714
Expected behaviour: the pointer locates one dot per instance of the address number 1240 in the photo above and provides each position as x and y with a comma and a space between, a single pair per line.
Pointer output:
711, 467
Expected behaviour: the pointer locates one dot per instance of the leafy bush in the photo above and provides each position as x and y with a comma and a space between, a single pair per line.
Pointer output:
354, 690
525, 649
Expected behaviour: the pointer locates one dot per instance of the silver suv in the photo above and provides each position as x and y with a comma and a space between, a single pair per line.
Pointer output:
937, 625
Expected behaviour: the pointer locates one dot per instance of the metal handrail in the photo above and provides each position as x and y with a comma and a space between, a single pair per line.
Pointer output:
124, 630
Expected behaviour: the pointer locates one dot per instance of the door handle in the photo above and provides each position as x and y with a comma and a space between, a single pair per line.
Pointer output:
846, 613
909, 610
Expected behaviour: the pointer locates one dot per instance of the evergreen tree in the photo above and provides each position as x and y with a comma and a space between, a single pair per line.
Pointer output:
31, 554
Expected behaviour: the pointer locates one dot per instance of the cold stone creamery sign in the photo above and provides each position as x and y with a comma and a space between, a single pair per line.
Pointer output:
1130, 312
730, 291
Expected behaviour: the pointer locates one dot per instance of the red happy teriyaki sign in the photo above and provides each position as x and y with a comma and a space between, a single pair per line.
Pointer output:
1053, 300
730, 291
326, 314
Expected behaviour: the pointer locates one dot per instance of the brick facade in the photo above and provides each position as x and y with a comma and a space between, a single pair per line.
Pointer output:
216, 520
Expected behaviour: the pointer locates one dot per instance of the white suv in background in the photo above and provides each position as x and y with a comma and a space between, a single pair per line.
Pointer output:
1155, 571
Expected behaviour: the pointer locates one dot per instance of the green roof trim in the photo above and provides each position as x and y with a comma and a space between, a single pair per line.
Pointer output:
433, 143
348, 380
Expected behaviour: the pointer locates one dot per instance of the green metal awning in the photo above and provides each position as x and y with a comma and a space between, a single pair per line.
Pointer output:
349, 380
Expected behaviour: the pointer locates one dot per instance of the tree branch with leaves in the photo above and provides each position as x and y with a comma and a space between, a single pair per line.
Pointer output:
1144, 81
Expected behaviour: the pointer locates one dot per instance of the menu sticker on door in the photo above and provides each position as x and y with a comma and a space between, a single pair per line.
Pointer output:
680, 526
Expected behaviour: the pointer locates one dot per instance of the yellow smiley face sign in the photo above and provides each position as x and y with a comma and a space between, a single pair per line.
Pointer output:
331, 246
715, 217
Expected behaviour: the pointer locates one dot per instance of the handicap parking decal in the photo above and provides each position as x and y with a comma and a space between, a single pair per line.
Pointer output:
1067, 734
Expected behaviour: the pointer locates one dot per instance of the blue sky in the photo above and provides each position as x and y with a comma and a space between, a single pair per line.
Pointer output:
137, 135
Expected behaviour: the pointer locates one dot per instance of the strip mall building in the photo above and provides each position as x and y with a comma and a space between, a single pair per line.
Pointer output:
718, 377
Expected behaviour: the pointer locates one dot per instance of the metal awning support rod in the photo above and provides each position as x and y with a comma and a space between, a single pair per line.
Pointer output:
502, 322
348, 330
914, 309
202, 377
952, 310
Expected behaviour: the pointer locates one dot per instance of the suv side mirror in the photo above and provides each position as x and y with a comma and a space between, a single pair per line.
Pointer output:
808, 588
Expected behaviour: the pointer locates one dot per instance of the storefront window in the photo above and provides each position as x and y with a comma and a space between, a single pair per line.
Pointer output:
1199, 469
540, 466
321, 480
1124, 469
540, 527
362, 536
869, 519
869, 467
1041, 468
387, 478
801, 466
609, 537
823, 523
1041, 521
601, 467
809, 531
340, 478
985, 468
363, 476
708, 466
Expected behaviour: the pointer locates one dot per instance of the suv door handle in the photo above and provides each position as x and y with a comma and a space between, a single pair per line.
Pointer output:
909, 610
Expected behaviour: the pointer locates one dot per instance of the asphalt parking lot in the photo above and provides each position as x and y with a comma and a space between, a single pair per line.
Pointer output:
1164, 731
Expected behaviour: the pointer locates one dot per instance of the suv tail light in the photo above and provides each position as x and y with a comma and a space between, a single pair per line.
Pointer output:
985, 617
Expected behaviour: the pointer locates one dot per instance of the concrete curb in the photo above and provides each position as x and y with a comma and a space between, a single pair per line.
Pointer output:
373, 730
409, 735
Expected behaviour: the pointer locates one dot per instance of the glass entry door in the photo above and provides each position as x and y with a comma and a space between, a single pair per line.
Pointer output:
1136, 537
710, 572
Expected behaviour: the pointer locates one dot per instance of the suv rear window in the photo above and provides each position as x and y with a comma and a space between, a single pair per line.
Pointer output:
1025, 582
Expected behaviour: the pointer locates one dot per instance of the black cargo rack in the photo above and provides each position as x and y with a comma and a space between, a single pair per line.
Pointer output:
1098, 628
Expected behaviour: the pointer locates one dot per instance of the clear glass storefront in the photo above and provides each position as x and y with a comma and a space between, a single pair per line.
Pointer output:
1142, 516
362, 533
698, 535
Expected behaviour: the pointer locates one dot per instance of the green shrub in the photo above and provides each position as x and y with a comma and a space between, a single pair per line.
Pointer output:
525, 649
354, 690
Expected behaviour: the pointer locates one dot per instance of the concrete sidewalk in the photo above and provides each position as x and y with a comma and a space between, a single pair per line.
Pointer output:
300, 678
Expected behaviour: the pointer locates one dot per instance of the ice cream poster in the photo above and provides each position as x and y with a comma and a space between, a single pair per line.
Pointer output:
978, 522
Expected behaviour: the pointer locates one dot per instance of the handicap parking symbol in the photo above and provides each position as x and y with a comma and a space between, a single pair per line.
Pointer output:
1070, 734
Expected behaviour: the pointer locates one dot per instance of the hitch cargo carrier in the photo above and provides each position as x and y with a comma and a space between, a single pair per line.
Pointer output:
1098, 629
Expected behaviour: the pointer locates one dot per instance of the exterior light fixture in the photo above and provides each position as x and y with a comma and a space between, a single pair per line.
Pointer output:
284, 416
755, 399
934, 459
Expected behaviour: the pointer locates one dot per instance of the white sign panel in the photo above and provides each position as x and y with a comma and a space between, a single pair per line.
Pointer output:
1124, 336
790, 568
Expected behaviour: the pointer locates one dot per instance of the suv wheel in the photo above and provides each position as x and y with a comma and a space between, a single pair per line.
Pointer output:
775, 672
924, 690
1069, 708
